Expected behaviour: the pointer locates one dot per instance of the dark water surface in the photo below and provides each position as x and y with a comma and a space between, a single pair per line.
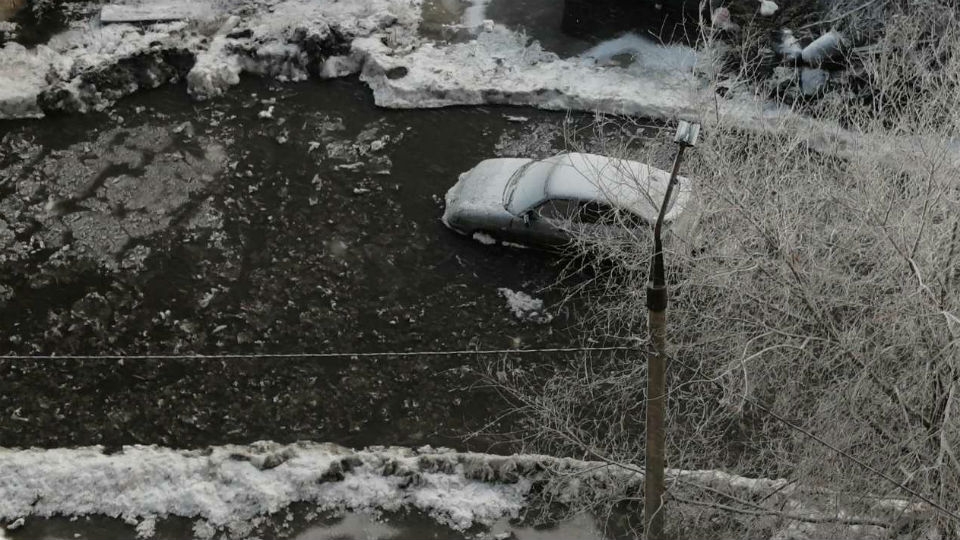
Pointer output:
315, 230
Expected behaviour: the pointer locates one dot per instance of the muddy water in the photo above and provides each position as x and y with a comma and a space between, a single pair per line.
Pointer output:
291, 218
302, 523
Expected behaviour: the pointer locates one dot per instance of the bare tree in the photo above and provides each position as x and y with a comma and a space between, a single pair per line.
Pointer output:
815, 310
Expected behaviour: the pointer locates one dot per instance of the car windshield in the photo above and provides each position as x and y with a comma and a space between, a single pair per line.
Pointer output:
527, 186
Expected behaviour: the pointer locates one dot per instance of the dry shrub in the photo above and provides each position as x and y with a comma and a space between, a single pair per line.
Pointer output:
819, 290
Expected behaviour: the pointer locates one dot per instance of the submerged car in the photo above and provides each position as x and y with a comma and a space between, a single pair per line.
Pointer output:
544, 202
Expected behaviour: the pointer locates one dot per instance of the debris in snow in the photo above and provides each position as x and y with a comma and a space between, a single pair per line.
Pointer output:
317, 181
266, 114
768, 8
377, 145
518, 119
823, 48
348, 166
16, 524
484, 238
312, 145
524, 306
488, 25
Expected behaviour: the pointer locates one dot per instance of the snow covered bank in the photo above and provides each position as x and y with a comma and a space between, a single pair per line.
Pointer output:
93, 64
501, 67
87, 67
234, 488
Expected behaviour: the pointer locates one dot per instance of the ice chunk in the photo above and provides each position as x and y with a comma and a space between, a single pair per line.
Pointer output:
525, 307
484, 238
768, 8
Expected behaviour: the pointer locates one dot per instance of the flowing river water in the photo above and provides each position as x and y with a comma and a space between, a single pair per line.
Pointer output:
281, 218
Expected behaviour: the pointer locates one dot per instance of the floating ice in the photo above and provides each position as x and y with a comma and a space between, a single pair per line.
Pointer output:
768, 8
525, 307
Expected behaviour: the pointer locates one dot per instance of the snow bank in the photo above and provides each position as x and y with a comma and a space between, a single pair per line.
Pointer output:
298, 38
22, 76
79, 67
501, 67
92, 64
649, 54
235, 488
231, 487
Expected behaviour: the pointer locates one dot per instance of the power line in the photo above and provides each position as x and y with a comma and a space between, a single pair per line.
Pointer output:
464, 352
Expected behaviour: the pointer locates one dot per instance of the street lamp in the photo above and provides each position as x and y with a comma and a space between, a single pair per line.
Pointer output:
653, 512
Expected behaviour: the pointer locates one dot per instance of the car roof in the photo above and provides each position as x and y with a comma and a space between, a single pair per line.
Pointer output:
629, 185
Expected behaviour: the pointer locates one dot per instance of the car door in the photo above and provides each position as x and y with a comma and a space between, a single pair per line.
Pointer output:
548, 223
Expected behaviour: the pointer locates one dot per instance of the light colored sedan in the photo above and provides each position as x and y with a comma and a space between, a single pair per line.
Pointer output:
545, 201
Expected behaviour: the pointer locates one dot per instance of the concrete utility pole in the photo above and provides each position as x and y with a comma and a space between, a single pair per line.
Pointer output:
653, 511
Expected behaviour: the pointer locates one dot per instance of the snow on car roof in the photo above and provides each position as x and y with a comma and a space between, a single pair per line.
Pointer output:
630, 185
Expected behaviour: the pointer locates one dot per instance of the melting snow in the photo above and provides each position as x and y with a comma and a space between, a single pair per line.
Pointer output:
484, 238
232, 487
647, 53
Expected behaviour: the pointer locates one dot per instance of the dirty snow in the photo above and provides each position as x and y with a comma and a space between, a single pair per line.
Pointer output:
649, 54
525, 307
234, 487
501, 67
266, 37
64, 61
